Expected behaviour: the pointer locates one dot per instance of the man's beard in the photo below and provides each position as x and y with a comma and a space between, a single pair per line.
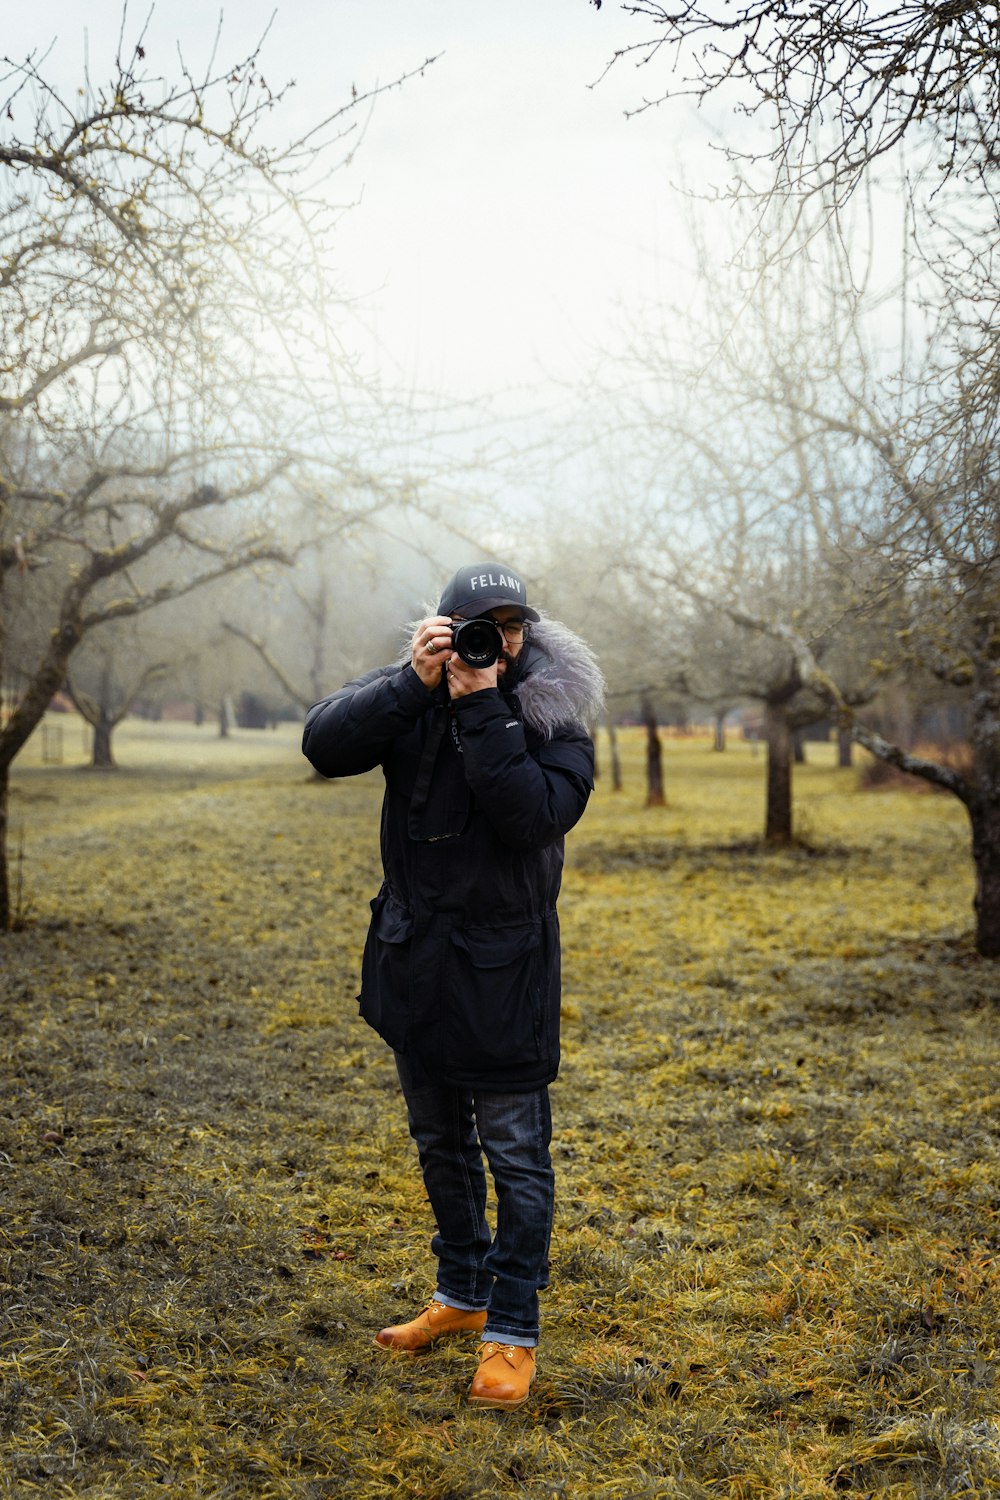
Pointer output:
507, 667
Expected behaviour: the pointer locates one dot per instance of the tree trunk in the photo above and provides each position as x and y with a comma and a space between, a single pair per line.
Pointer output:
985, 818
616, 764
654, 756
778, 820
6, 914
719, 742
102, 758
845, 748
799, 747
22, 722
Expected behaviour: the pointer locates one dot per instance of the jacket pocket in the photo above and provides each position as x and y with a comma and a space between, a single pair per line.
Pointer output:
494, 998
385, 970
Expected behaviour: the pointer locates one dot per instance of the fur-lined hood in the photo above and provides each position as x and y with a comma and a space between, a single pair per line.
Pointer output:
557, 681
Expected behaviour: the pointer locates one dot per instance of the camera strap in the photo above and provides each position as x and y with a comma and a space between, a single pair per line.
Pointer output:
450, 812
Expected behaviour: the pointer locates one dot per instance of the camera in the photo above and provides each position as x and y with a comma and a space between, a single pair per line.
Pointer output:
478, 642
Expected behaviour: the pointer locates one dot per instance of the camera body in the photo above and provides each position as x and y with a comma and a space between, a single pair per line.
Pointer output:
478, 642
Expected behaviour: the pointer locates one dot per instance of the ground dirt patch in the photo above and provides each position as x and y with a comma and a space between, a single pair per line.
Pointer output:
775, 1266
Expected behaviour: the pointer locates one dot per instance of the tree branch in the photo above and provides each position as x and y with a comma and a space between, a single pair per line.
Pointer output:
120, 609
822, 683
273, 666
90, 350
915, 765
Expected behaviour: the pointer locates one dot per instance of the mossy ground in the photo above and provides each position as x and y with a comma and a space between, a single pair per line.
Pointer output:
775, 1266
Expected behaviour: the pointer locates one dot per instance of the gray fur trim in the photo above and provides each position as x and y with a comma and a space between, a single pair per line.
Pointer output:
563, 684
565, 688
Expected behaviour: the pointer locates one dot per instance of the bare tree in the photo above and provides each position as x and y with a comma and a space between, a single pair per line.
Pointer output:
730, 663
167, 320
305, 625
838, 85
940, 536
800, 445
722, 498
114, 679
913, 441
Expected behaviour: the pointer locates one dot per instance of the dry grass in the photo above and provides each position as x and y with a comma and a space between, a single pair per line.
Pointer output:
776, 1253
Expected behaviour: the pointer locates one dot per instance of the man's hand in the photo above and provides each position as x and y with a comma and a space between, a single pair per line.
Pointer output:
431, 654
463, 679
430, 649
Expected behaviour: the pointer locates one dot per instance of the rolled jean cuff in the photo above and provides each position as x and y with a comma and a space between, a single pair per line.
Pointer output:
521, 1340
456, 1302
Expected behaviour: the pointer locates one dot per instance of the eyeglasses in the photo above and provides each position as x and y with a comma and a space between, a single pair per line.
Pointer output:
514, 631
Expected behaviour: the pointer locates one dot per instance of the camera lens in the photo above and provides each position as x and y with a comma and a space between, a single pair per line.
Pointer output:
478, 642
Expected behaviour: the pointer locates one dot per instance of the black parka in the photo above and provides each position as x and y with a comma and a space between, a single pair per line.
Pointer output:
461, 964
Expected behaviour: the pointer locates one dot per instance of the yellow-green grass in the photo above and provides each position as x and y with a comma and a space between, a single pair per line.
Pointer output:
776, 1137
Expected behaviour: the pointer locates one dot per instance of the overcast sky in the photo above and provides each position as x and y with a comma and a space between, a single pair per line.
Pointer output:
507, 211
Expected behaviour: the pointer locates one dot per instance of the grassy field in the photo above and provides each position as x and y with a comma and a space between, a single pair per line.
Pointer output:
775, 1266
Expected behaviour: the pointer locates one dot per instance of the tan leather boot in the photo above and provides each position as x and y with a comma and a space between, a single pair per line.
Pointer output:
504, 1375
437, 1321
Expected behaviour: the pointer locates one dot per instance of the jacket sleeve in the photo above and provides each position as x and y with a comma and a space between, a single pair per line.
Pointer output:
350, 731
530, 799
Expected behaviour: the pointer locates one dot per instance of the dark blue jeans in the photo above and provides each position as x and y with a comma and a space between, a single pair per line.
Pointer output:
453, 1128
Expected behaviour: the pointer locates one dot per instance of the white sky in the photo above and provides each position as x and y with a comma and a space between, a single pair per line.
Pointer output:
507, 212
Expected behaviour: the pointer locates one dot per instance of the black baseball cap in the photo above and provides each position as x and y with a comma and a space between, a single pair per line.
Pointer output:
483, 586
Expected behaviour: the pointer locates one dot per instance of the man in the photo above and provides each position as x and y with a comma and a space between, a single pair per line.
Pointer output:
487, 766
